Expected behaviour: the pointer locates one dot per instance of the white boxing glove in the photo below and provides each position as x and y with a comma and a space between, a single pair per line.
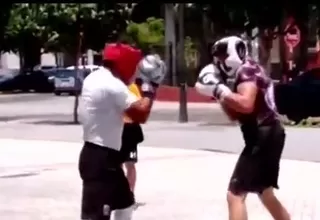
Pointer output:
150, 73
209, 83
151, 69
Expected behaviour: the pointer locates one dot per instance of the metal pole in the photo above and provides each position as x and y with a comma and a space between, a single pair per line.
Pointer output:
170, 43
78, 77
183, 109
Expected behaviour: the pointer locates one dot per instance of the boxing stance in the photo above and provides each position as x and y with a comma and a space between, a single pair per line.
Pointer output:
106, 98
250, 101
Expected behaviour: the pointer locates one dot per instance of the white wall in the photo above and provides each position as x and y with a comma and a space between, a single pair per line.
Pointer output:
11, 60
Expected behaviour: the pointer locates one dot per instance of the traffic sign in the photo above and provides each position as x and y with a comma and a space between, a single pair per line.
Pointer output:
293, 35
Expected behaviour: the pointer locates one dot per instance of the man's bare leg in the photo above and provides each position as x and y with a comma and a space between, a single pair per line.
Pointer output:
273, 205
237, 206
131, 174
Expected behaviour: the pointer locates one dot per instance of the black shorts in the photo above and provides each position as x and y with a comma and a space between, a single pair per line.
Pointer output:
258, 165
105, 187
132, 135
129, 152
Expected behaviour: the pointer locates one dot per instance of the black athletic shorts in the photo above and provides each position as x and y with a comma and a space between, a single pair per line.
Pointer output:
105, 187
132, 135
258, 165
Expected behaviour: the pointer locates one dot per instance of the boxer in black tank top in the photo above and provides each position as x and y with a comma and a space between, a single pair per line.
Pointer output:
258, 165
250, 101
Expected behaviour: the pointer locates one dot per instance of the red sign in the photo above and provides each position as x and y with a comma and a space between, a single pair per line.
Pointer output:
292, 37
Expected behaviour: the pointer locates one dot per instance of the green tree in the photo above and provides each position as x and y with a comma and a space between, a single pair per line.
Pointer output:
65, 22
99, 24
146, 35
25, 33
4, 19
78, 27
207, 22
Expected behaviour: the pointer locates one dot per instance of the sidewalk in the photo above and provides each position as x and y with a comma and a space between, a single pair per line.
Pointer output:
159, 105
39, 181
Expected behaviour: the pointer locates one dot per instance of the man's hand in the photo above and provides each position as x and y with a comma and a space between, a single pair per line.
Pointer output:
150, 73
209, 83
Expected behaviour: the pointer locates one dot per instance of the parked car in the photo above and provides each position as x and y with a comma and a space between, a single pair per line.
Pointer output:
300, 98
8, 80
38, 79
88, 67
68, 80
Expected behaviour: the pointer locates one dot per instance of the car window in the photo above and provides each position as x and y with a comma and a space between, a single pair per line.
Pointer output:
66, 73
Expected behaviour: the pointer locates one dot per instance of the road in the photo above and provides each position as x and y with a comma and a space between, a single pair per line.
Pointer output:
59, 109
169, 178
39, 180
49, 118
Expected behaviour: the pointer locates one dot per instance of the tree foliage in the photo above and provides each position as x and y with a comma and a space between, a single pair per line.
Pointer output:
5, 10
146, 34
25, 32
56, 27
98, 24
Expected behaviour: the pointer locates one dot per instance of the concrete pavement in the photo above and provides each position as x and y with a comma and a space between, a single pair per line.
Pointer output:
49, 107
301, 143
39, 181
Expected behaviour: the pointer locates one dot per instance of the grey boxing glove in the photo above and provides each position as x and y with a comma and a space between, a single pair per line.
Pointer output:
150, 73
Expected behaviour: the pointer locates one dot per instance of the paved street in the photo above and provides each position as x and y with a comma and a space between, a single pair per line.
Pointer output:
48, 107
50, 118
39, 181
180, 165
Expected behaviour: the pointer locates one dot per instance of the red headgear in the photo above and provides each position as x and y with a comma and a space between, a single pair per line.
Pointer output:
124, 57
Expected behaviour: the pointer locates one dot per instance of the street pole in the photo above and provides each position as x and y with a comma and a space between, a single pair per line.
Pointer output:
78, 80
183, 109
170, 42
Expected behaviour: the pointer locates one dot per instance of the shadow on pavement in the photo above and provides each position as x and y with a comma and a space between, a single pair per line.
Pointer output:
208, 124
217, 151
19, 175
10, 118
53, 122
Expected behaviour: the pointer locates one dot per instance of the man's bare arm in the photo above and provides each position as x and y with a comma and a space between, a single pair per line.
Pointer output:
139, 110
242, 101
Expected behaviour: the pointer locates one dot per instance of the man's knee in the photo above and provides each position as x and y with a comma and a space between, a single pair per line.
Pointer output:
130, 166
267, 195
233, 198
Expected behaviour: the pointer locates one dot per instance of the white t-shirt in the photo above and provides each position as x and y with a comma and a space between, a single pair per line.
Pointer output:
104, 99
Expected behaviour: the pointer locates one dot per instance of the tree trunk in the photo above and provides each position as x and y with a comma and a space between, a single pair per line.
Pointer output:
265, 46
78, 77
75, 108
21, 61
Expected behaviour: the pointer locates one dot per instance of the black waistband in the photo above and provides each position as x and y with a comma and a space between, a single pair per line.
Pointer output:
110, 155
252, 132
101, 148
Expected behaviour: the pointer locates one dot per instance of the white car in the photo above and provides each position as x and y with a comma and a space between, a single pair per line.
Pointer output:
89, 67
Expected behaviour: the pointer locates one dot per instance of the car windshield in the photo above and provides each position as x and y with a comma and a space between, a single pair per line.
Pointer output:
68, 73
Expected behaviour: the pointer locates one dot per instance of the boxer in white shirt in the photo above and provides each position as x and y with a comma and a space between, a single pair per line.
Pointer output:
106, 98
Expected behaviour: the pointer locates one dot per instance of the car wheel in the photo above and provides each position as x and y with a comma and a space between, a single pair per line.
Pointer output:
57, 93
